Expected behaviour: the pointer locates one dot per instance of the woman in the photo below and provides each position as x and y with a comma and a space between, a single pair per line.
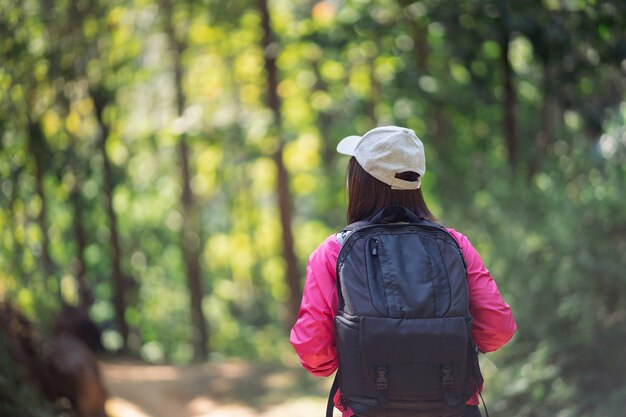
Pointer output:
386, 168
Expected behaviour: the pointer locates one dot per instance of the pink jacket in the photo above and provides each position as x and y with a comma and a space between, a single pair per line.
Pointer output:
313, 338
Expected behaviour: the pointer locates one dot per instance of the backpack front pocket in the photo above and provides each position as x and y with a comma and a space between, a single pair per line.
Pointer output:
414, 358
347, 332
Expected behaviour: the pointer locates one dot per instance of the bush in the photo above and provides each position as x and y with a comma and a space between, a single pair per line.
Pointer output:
555, 248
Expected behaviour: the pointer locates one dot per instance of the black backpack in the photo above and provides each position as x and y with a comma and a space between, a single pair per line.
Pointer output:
403, 329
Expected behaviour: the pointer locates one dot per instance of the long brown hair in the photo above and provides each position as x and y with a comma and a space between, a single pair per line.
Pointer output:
367, 195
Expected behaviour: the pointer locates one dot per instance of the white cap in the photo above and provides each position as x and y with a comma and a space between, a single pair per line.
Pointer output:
386, 151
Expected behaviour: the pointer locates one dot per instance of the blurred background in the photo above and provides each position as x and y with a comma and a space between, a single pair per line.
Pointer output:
166, 168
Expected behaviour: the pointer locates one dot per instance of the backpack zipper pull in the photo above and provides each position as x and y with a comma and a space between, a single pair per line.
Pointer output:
375, 248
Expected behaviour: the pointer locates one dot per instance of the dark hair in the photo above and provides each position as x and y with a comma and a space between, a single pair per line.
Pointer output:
367, 195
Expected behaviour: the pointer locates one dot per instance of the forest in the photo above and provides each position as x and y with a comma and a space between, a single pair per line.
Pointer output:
167, 166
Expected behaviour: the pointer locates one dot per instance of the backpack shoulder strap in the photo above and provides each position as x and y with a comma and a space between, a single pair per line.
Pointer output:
346, 231
331, 396
432, 224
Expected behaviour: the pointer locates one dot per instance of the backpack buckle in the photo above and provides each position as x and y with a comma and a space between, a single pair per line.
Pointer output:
448, 377
381, 378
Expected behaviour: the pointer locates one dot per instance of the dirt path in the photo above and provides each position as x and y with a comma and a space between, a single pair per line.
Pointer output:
233, 389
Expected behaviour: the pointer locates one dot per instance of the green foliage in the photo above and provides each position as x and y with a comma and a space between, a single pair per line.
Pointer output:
556, 247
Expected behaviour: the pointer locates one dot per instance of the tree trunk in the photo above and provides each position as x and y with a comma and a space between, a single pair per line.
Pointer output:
100, 101
17, 249
69, 29
192, 249
434, 115
291, 260
36, 144
422, 50
437, 124
282, 176
84, 290
373, 100
552, 113
550, 116
324, 122
509, 103
191, 242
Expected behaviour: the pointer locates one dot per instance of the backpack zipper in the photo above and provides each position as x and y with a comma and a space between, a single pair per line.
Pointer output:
375, 247
374, 251
375, 278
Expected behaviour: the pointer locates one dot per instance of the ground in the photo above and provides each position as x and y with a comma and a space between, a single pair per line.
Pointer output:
231, 389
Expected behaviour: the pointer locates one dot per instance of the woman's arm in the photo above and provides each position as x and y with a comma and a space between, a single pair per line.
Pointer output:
312, 336
493, 323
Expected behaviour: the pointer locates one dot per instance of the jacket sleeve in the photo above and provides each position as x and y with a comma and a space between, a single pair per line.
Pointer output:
493, 323
312, 336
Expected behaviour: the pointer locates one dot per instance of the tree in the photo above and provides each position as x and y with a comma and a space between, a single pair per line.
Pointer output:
509, 100
270, 52
36, 145
101, 99
191, 245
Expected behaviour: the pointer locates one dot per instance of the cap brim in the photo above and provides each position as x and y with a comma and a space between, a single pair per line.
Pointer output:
348, 145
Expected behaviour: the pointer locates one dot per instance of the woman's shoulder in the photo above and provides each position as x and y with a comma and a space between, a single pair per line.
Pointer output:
469, 252
327, 250
464, 243
460, 238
